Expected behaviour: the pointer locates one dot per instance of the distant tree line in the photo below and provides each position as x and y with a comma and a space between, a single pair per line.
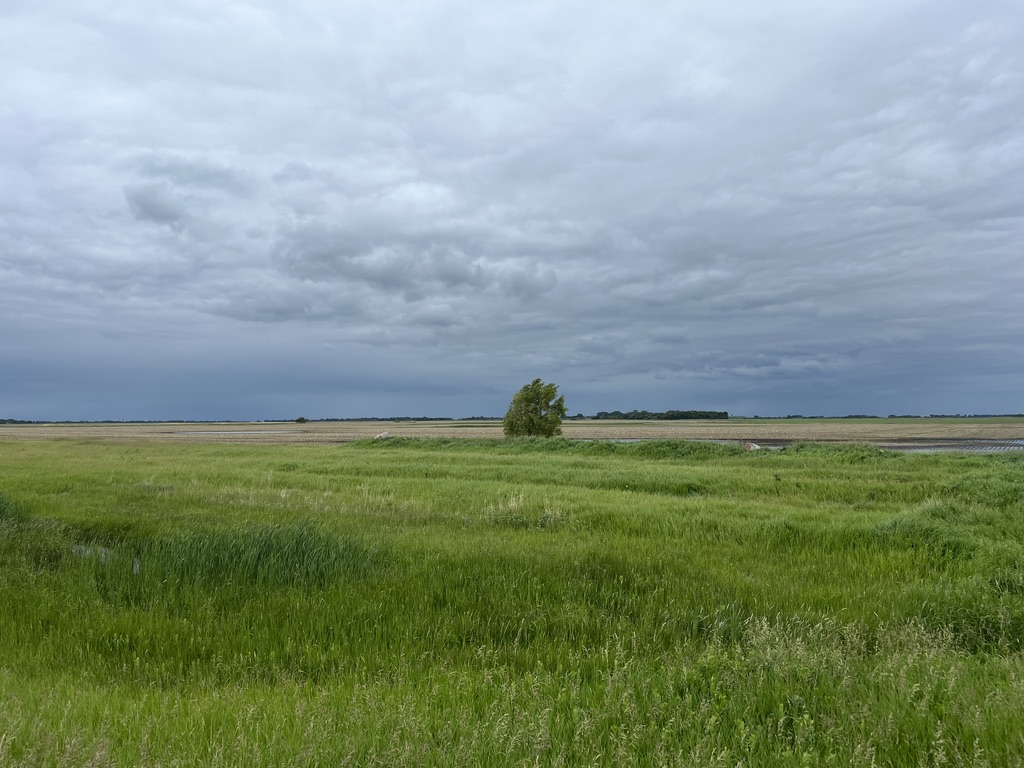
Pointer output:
893, 416
974, 415
398, 418
662, 415
123, 421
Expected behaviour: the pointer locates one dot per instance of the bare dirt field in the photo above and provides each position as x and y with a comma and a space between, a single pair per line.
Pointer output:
995, 433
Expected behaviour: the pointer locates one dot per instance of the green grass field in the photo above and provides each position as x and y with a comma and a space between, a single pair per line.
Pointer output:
476, 602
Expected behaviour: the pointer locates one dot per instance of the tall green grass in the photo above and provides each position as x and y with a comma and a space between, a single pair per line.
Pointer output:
551, 602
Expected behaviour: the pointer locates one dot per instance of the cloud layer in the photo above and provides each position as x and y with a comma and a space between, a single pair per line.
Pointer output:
260, 209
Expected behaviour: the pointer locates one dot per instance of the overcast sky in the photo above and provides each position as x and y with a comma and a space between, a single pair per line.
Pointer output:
267, 209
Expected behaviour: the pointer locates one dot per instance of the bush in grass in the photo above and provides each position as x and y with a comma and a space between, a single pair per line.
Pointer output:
535, 411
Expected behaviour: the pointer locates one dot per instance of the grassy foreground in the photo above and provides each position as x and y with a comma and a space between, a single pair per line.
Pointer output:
473, 602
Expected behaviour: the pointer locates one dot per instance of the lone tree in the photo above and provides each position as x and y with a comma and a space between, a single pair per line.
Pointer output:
536, 411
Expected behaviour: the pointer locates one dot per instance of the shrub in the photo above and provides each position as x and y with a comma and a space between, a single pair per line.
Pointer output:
535, 411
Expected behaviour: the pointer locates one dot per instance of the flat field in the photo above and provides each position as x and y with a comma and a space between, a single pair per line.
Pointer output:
770, 431
478, 602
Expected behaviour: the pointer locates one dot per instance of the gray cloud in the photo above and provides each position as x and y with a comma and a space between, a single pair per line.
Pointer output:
795, 207
156, 203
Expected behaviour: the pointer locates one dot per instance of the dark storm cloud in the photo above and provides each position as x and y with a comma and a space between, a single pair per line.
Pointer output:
156, 203
766, 208
194, 172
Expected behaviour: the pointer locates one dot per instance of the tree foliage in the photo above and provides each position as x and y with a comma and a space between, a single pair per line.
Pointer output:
663, 415
537, 410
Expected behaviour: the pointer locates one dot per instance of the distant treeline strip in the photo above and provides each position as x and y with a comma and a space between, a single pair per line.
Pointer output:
662, 416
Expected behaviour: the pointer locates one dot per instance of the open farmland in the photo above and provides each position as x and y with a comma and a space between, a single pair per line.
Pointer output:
889, 432
482, 602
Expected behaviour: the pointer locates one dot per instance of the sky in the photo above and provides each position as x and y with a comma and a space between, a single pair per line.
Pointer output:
333, 209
